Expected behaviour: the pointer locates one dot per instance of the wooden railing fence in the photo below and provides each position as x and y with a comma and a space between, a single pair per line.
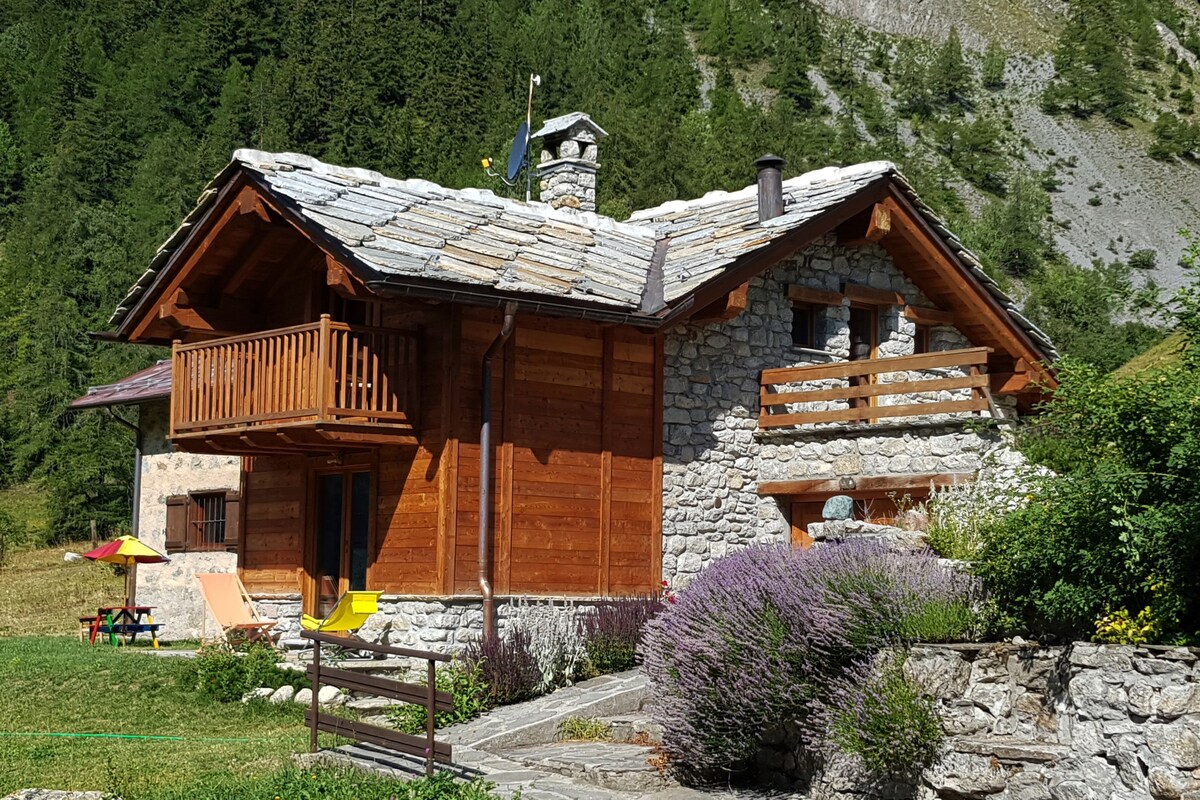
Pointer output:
320, 372
427, 696
862, 389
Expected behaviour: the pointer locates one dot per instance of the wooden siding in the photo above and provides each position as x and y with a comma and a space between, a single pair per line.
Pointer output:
272, 556
575, 494
576, 418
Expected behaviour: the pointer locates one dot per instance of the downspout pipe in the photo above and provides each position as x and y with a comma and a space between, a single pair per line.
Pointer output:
136, 511
485, 471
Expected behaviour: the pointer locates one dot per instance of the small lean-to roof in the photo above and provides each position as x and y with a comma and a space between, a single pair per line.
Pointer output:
400, 233
152, 383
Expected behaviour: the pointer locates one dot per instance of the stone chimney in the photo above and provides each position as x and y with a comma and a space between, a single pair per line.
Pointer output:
566, 171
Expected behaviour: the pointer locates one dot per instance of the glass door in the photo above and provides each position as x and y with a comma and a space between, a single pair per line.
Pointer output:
343, 536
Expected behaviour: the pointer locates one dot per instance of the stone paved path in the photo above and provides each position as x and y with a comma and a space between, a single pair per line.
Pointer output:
514, 747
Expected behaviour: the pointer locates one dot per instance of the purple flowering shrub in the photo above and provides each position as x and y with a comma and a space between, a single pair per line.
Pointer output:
507, 664
762, 636
612, 631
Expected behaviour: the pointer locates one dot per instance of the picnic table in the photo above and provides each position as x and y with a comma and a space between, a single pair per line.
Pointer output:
121, 621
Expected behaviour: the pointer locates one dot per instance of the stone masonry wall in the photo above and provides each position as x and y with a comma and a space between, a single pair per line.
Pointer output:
172, 588
1083, 722
713, 454
443, 624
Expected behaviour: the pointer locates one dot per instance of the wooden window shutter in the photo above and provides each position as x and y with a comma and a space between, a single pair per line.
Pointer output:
233, 521
177, 523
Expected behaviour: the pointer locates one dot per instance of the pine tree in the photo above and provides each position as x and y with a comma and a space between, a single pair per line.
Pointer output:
995, 60
1147, 47
950, 79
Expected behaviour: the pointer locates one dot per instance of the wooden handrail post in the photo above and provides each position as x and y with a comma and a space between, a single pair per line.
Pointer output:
430, 714
324, 367
316, 690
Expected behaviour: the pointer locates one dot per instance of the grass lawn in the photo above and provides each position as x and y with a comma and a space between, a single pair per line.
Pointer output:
227, 751
40, 594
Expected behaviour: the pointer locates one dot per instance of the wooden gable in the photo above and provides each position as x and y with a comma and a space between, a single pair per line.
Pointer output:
245, 267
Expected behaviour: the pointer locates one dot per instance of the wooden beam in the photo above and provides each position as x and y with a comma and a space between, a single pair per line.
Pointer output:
877, 297
339, 278
816, 297
850, 485
249, 202
878, 224
928, 316
203, 320
726, 308
1015, 382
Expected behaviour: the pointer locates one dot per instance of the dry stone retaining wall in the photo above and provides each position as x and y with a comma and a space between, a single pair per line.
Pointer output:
1084, 722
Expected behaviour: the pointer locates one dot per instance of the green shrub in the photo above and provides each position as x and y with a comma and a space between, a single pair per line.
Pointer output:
1116, 529
226, 675
471, 698
940, 620
888, 723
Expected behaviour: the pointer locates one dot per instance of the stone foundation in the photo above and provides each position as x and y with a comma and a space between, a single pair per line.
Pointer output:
442, 624
1084, 722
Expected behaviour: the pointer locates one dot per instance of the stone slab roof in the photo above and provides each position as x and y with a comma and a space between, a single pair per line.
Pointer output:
152, 383
472, 239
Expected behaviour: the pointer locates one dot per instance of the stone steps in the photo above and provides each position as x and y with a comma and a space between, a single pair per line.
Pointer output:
634, 729
608, 765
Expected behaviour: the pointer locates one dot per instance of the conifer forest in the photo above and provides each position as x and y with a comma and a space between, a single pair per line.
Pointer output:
115, 113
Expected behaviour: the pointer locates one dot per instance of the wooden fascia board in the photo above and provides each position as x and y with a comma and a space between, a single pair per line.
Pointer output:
795, 240
908, 223
223, 209
832, 486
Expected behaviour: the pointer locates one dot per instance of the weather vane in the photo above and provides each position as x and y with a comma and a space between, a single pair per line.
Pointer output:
518, 156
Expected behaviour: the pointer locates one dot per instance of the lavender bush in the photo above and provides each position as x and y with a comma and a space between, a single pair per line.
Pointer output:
613, 629
761, 637
507, 665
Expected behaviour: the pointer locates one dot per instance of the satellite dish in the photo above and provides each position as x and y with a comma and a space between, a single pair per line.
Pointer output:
516, 156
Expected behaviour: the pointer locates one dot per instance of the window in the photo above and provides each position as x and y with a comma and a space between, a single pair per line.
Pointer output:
921, 340
205, 521
863, 331
803, 326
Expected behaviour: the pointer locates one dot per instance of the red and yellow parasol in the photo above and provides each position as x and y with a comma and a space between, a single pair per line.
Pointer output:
127, 551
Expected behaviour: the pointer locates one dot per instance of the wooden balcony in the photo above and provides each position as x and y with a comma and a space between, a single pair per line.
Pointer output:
945, 384
325, 385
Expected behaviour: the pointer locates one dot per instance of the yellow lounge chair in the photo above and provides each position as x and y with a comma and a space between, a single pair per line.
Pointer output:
348, 614
231, 606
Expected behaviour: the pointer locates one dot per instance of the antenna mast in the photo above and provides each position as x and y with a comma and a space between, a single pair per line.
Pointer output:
534, 80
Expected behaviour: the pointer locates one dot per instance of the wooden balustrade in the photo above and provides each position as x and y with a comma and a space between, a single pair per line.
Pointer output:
866, 391
316, 374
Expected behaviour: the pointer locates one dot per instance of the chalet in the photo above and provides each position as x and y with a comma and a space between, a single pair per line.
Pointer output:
464, 400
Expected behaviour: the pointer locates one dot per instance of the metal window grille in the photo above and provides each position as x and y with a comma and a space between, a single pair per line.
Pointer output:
208, 521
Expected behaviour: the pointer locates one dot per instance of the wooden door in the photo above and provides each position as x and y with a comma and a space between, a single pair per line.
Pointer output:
340, 537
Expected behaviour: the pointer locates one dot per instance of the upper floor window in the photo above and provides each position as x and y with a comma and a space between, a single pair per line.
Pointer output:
804, 326
921, 339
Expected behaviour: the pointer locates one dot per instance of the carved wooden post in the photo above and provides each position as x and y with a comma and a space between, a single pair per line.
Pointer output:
324, 367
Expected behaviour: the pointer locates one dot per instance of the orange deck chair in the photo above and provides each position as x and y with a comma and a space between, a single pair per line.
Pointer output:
231, 606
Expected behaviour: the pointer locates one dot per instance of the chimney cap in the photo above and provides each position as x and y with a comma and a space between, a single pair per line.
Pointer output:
769, 161
567, 121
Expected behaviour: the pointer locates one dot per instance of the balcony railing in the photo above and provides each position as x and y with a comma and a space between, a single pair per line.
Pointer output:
949, 382
321, 374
